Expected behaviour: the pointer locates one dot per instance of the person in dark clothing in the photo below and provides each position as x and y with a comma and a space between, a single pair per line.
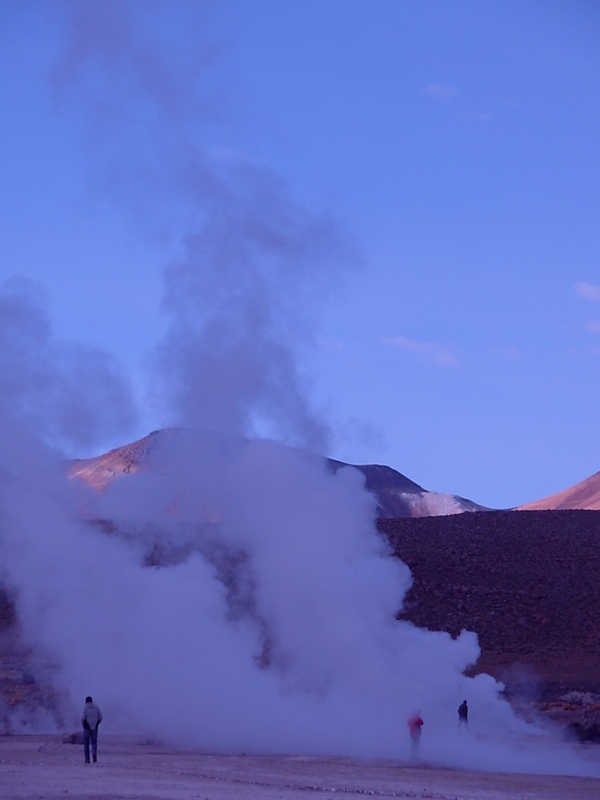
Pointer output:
463, 714
91, 717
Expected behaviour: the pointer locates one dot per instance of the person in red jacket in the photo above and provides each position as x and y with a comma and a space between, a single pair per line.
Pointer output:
415, 723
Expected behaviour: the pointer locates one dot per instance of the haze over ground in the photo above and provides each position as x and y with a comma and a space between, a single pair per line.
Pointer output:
434, 172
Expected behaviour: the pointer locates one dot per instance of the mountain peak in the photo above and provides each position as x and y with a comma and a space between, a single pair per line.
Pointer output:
584, 495
397, 495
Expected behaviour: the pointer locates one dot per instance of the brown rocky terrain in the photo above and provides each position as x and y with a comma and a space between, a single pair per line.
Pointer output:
527, 582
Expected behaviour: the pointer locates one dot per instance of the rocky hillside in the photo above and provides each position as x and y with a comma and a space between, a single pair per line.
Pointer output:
527, 582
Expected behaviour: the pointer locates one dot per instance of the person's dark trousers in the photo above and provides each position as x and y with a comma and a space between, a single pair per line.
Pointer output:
90, 736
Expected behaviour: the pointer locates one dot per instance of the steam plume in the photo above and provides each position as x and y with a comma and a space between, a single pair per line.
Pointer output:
242, 598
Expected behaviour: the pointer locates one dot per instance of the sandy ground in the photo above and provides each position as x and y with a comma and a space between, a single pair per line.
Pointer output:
44, 767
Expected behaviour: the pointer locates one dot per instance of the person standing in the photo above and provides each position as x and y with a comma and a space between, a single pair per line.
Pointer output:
415, 723
91, 717
463, 714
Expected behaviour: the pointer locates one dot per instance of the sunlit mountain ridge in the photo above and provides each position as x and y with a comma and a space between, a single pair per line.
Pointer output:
584, 495
397, 496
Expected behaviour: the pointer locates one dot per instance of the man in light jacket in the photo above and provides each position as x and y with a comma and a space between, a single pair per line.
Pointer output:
91, 717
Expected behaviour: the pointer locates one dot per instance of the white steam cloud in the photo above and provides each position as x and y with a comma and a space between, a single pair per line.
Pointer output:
236, 594
241, 600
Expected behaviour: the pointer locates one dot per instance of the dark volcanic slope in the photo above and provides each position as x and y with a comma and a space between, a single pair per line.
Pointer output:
528, 582
387, 485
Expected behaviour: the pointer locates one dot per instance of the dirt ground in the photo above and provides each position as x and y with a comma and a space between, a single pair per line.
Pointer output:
44, 767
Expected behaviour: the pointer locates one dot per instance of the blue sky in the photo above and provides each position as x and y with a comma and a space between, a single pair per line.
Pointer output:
454, 146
